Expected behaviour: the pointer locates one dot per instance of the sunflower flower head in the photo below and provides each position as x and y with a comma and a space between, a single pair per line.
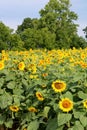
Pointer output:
32, 109
59, 86
1, 65
66, 105
25, 129
21, 66
85, 103
39, 96
14, 108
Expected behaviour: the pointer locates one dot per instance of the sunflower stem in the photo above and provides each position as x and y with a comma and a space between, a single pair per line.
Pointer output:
13, 115
68, 124
61, 95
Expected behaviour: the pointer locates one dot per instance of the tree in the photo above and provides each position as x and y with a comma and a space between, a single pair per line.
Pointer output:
54, 29
27, 23
58, 18
41, 38
15, 42
78, 42
5, 33
8, 39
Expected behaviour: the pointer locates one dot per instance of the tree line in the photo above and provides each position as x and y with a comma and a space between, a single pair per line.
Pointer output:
55, 29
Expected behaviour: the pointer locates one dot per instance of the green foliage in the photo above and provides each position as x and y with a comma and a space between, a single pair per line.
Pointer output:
58, 18
18, 89
51, 125
63, 118
33, 125
9, 40
27, 23
4, 36
15, 42
41, 38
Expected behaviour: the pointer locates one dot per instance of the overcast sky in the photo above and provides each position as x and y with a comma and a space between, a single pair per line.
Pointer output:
12, 12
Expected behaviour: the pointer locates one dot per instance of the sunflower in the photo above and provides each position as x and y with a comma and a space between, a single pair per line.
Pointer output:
39, 96
25, 129
1, 65
85, 103
44, 74
58, 86
32, 109
21, 66
66, 105
14, 108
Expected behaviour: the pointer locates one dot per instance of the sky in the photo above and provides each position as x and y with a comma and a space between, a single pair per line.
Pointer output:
12, 12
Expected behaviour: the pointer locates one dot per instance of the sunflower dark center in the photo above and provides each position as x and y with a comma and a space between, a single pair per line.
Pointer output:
39, 95
86, 103
66, 104
15, 108
58, 85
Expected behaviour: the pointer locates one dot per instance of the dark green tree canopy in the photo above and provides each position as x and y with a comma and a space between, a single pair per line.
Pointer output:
41, 38
56, 14
4, 32
27, 23
4, 36
59, 19
8, 39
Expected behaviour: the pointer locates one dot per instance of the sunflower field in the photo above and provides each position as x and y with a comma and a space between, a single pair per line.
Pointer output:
43, 90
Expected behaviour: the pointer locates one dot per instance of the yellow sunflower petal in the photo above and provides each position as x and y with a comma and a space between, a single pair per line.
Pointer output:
1, 65
59, 86
32, 109
21, 66
66, 105
85, 103
14, 108
39, 96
